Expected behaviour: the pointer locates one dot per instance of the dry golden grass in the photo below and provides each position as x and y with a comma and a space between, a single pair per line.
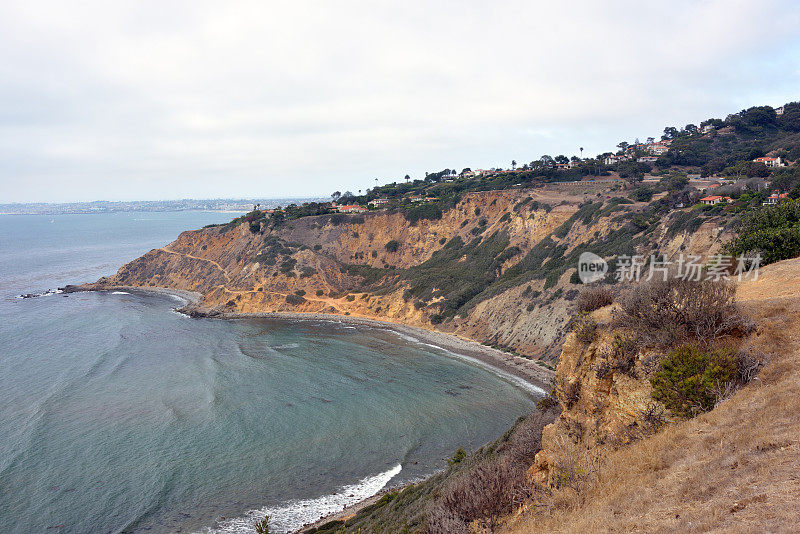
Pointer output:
734, 469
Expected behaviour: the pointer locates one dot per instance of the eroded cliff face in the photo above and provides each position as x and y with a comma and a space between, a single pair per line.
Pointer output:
604, 396
342, 265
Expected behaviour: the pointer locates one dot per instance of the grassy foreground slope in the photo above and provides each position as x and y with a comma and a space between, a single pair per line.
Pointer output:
733, 469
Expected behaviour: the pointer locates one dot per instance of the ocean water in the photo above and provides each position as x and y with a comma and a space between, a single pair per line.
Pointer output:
118, 414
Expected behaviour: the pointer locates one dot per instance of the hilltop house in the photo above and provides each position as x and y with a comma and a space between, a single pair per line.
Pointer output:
774, 199
770, 162
779, 111
379, 201
657, 149
714, 199
647, 159
351, 208
612, 159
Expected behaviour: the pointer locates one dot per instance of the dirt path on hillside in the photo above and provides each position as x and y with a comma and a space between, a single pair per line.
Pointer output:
212, 262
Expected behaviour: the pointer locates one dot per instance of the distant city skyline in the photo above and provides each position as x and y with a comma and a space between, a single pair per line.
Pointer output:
134, 101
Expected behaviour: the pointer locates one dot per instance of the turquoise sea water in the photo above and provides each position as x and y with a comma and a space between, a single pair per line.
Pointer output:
118, 414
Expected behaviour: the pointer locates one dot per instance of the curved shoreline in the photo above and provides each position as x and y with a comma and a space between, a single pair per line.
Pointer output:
522, 372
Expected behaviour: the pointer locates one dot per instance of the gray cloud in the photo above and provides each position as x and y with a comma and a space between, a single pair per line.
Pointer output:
143, 100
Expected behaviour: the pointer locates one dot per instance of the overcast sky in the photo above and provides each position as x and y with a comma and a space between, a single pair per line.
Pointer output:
156, 100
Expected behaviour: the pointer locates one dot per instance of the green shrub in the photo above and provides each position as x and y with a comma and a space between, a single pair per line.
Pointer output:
392, 246
262, 527
690, 378
288, 265
350, 298
459, 455
300, 292
428, 210
294, 300
319, 292
772, 231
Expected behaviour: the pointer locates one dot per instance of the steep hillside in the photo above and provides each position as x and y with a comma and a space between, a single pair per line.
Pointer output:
497, 267
733, 469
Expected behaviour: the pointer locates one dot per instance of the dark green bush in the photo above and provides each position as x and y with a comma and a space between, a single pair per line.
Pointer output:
288, 265
772, 231
428, 210
392, 246
690, 379
294, 300
459, 455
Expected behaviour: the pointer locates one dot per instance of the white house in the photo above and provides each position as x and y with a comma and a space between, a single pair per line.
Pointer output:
658, 149
351, 208
770, 162
713, 199
612, 159
774, 199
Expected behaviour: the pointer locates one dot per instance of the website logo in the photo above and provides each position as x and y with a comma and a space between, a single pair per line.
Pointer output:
591, 268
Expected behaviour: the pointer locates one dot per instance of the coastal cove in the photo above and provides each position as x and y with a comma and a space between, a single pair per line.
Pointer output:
520, 372
523, 372
121, 414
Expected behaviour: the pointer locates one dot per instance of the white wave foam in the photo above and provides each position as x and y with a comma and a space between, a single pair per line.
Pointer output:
286, 346
42, 294
120, 293
295, 514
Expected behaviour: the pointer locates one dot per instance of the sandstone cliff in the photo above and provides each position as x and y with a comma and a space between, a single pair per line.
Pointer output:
496, 267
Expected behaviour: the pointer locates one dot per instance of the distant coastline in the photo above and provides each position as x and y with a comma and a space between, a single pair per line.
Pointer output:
222, 205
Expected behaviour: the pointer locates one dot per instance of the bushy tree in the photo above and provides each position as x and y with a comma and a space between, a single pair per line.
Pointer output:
690, 378
772, 231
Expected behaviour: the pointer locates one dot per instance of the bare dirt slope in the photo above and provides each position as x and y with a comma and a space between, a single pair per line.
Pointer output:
734, 469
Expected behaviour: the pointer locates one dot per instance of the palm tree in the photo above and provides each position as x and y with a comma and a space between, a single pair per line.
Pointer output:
407, 178
581, 152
